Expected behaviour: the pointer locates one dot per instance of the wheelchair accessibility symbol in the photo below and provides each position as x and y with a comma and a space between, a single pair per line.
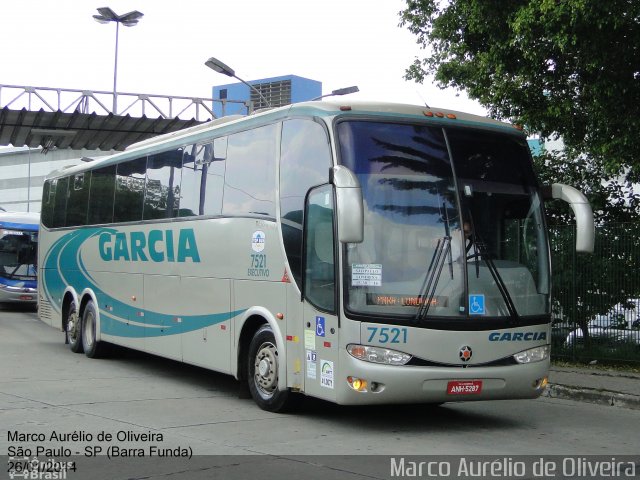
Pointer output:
476, 305
320, 326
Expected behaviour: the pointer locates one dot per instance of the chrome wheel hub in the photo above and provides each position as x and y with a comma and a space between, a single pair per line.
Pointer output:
266, 369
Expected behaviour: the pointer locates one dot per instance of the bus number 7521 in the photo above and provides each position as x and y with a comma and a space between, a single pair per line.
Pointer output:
387, 335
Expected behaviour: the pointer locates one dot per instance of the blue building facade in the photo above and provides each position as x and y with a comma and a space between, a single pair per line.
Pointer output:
279, 91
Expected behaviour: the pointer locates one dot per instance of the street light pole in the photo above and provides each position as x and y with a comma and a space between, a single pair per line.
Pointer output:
128, 20
216, 65
115, 72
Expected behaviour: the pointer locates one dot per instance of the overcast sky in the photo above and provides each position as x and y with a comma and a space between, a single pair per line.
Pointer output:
56, 43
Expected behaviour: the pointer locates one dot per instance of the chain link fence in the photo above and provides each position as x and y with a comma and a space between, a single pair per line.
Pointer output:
596, 297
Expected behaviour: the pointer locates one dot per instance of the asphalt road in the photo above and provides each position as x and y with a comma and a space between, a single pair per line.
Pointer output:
55, 403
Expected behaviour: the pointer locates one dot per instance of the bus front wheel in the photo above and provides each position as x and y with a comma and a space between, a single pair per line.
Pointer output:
73, 330
92, 348
262, 373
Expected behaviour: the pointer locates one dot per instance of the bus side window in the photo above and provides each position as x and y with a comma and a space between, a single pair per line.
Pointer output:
60, 204
202, 181
130, 179
305, 160
250, 182
48, 194
78, 199
191, 180
162, 190
101, 195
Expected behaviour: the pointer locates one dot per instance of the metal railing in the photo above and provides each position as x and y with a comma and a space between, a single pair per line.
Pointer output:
596, 297
135, 104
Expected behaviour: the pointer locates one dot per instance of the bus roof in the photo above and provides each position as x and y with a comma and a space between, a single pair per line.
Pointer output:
324, 108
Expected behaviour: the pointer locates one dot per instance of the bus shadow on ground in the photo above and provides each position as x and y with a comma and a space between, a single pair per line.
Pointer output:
399, 418
18, 307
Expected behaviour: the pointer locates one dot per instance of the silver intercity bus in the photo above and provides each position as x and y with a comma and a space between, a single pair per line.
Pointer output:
358, 253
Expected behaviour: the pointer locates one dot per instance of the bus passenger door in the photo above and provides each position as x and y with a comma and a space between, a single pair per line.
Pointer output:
320, 295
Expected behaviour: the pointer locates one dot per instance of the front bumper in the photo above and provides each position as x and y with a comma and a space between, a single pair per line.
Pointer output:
412, 384
12, 294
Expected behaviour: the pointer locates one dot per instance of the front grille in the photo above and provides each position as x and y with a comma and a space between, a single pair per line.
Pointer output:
502, 362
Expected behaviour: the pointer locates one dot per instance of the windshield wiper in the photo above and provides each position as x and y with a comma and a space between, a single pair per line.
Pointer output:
481, 252
443, 249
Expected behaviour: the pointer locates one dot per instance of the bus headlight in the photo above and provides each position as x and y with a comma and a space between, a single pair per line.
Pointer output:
533, 355
378, 354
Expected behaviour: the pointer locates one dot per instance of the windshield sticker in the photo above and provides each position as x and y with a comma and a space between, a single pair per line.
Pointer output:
366, 275
258, 241
326, 373
309, 339
476, 304
312, 364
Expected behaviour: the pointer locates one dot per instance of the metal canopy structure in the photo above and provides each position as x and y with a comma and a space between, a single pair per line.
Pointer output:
81, 130
77, 119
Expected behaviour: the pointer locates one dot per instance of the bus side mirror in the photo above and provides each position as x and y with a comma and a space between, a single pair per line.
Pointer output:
585, 231
349, 206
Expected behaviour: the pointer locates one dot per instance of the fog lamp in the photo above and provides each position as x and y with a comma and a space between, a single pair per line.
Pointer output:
540, 383
358, 384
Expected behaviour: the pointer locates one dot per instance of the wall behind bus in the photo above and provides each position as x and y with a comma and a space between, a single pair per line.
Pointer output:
23, 170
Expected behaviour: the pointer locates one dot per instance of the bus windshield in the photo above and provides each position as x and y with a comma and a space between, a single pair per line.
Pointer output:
453, 225
18, 254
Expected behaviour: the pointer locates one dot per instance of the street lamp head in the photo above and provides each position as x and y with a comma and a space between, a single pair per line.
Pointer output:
215, 64
220, 67
100, 19
345, 91
339, 91
130, 19
107, 15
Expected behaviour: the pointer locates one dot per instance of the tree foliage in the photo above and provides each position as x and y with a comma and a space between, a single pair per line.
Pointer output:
561, 67
613, 199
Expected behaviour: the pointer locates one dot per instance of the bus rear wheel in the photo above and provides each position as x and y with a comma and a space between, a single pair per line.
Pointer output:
92, 348
262, 373
73, 330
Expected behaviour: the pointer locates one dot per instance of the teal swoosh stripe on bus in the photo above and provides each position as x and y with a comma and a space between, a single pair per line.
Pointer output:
119, 327
120, 319
53, 284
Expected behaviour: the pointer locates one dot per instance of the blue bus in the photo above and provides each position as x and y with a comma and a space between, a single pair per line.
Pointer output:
18, 257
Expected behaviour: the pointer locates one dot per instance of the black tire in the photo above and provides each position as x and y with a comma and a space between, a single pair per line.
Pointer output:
262, 374
92, 348
73, 330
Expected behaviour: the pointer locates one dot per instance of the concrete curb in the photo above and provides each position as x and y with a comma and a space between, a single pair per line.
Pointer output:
592, 395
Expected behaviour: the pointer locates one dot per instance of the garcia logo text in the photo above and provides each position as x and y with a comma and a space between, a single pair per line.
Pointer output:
155, 246
517, 336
